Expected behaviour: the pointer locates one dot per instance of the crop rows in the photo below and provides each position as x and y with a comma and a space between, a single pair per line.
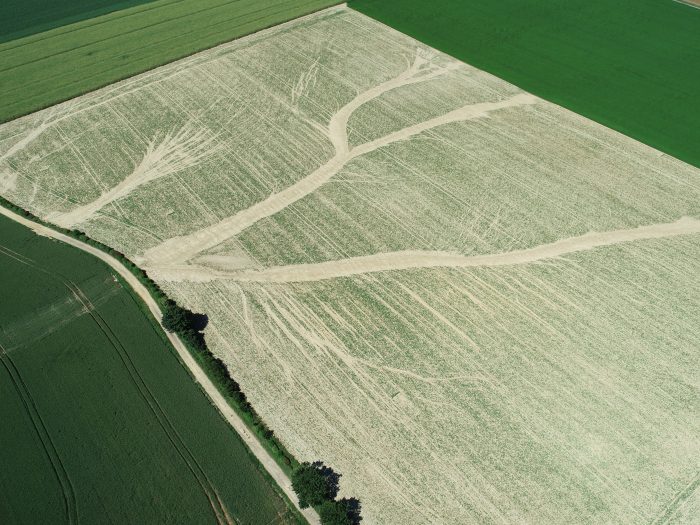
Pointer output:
475, 304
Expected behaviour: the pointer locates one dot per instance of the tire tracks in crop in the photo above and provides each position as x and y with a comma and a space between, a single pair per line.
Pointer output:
181, 249
30, 407
219, 510
678, 501
187, 360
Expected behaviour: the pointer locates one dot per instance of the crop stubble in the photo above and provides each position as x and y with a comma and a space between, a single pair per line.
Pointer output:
561, 389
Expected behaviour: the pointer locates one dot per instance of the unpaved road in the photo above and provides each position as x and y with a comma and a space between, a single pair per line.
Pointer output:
217, 399
179, 250
404, 260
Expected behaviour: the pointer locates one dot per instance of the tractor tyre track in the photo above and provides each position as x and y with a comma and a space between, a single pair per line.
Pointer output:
166, 425
218, 509
59, 469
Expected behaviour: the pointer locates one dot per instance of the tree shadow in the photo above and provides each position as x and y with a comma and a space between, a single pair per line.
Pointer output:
354, 509
332, 478
198, 322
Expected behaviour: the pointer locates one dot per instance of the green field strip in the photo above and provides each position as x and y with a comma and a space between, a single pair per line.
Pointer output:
631, 65
140, 386
120, 420
36, 474
148, 398
155, 408
20, 18
47, 443
60, 64
137, 30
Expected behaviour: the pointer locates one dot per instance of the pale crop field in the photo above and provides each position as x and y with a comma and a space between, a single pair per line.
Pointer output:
477, 306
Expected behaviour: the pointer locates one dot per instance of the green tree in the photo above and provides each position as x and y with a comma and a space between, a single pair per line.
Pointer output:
314, 483
175, 318
346, 511
195, 340
334, 513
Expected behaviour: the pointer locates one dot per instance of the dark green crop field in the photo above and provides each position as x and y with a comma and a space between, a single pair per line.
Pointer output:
56, 65
632, 65
99, 421
20, 18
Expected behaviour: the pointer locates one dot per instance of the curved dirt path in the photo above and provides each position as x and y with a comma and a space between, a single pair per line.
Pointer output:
195, 370
404, 260
164, 156
178, 250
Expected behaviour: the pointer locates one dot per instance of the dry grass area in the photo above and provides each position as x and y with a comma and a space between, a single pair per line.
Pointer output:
476, 305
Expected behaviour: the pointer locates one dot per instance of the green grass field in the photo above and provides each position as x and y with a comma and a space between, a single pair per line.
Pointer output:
20, 18
99, 418
49, 67
631, 65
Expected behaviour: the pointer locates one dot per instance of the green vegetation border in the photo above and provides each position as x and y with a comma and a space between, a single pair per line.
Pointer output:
212, 366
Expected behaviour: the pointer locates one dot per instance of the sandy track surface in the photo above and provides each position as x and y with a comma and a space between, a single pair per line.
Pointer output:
405, 260
171, 154
217, 399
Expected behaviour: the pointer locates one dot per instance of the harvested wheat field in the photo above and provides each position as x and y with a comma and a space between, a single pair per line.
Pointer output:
477, 306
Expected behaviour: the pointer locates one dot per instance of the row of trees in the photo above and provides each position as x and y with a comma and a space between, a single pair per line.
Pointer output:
188, 326
317, 485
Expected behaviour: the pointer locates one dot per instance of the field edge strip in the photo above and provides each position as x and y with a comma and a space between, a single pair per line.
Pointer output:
272, 466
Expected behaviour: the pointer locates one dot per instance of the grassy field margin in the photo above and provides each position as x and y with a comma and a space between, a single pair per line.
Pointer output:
209, 364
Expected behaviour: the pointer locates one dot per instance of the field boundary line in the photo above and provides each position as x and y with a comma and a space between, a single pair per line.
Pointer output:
140, 79
689, 3
198, 374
